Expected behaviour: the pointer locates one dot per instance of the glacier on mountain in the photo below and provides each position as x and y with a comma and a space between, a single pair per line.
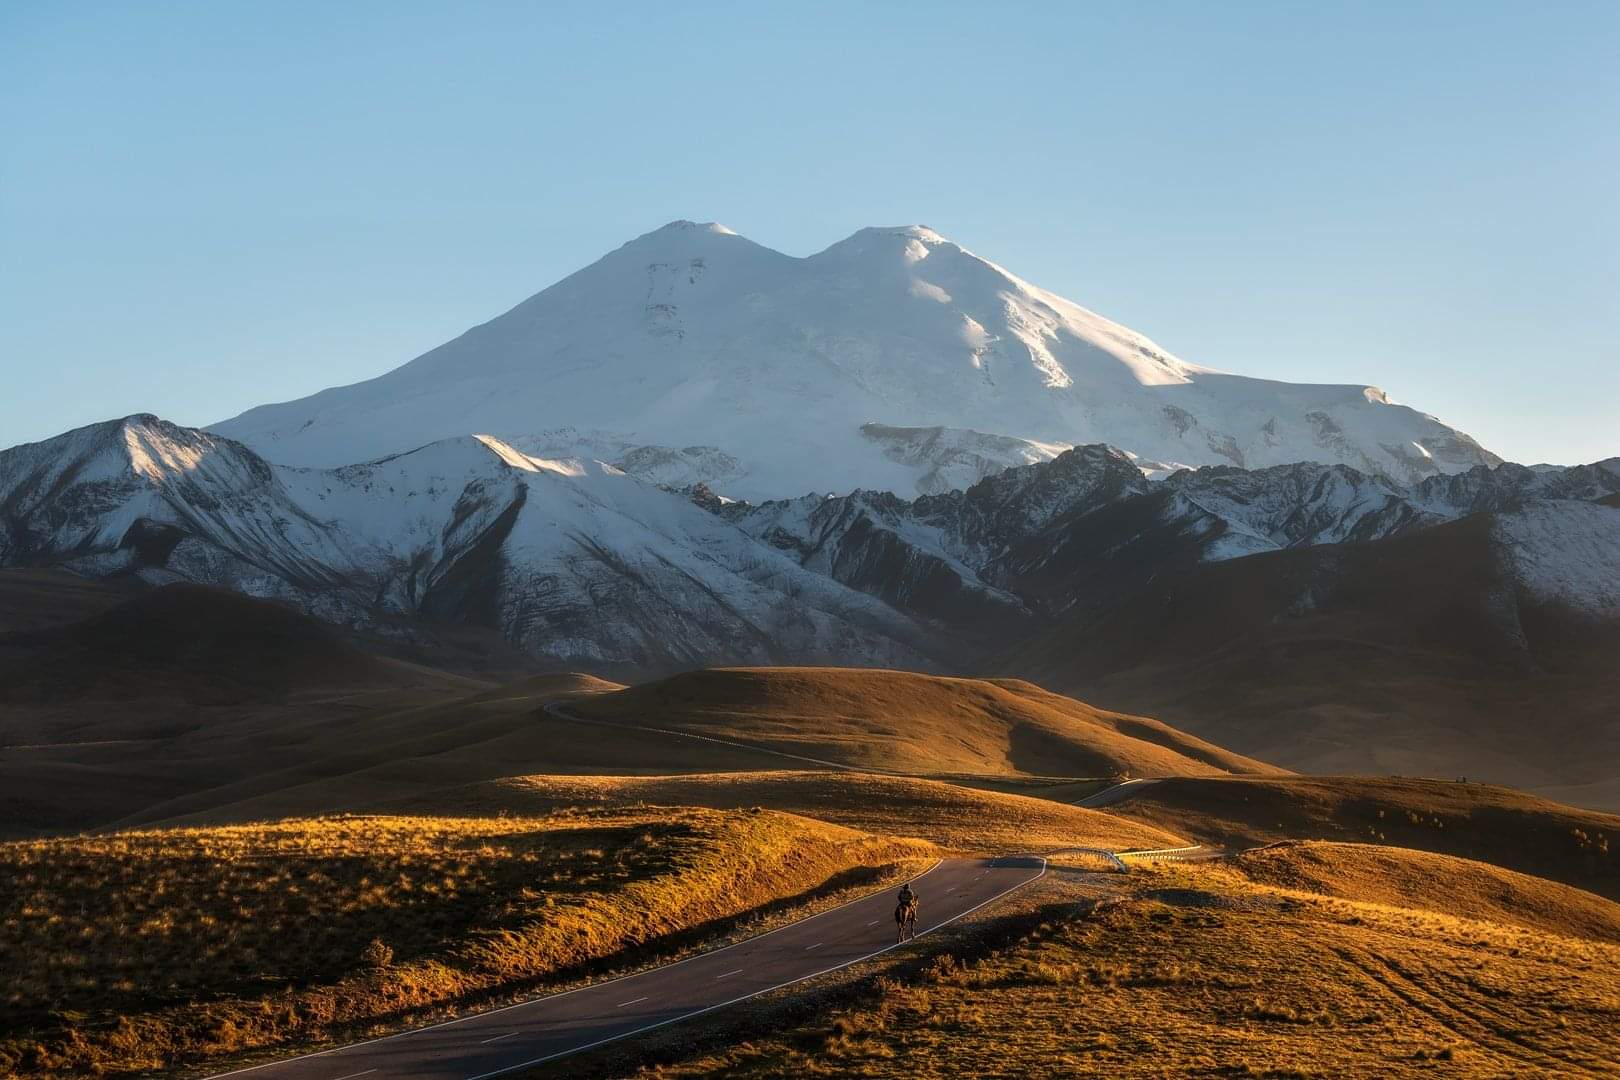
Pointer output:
893, 360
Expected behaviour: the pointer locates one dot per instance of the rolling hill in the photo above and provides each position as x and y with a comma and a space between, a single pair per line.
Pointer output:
1508, 828
953, 815
1422, 880
914, 724
1481, 647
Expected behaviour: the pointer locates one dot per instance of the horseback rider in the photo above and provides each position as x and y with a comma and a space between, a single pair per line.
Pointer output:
908, 899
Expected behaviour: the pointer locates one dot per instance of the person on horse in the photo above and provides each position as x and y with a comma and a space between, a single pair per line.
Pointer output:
908, 899
905, 911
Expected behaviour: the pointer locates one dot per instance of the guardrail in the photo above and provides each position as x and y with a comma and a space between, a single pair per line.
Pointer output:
1170, 853
1101, 853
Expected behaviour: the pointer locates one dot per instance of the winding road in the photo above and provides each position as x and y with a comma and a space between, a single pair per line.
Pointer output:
518, 1036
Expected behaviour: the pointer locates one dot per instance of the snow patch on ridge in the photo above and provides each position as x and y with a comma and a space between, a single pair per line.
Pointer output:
1568, 552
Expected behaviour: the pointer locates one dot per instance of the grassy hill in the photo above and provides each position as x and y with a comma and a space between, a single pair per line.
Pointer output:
1415, 655
1422, 880
915, 724
183, 644
171, 691
145, 949
1509, 828
34, 599
1192, 970
192, 705
953, 816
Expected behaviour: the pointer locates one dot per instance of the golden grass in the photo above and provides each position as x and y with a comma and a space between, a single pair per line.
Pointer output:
916, 724
1399, 877
1199, 973
956, 817
1473, 821
143, 949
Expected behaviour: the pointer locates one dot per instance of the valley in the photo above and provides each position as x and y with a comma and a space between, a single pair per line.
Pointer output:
456, 844
1163, 621
408, 728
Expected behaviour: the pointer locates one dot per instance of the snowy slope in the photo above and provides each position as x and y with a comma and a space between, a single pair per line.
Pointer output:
582, 564
1028, 535
894, 360
1566, 552
573, 560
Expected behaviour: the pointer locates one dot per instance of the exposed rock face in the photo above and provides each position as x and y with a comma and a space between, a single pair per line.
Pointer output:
579, 563
574, 561
1039, 538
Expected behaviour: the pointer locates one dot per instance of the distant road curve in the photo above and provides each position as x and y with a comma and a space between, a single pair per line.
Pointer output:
1108, 796
1125, 789
532, 1032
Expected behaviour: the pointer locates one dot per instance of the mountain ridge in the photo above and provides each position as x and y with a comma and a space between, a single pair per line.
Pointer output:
583, 566
692, 354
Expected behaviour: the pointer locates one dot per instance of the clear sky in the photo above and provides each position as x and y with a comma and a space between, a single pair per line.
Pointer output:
207, 206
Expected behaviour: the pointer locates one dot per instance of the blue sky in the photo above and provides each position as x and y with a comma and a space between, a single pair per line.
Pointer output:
208, 206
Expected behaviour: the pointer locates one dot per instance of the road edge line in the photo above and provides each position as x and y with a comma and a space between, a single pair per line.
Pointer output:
574, 990
769, 989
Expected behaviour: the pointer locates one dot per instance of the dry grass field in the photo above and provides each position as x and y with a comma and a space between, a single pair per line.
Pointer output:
1422, 880
195, 706
1473, 821
493, 848
1195, 971
916, 724
139, 950
955, 817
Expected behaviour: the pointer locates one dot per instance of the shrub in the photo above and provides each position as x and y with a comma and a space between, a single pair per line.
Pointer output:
377, 954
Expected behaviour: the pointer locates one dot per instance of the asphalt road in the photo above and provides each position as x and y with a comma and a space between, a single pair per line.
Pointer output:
1108, 796
527, 1034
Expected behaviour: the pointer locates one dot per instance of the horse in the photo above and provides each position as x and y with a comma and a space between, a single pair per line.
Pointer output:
905, 921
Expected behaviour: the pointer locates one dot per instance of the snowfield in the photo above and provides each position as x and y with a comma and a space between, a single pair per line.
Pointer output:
894, 360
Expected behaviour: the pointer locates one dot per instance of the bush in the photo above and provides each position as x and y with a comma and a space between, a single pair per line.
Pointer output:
377, 954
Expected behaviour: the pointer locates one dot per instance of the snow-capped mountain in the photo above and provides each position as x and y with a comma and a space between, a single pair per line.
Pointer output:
582, 565
572, 560
1088, 525
894, 360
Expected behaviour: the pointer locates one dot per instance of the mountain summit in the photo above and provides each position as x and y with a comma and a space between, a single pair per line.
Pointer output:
894, 359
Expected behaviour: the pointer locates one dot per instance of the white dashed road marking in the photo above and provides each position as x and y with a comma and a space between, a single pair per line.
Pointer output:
729, 974
632, 1001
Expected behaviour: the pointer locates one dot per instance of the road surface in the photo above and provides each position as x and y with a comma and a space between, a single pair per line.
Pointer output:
518, 1036
1108, 796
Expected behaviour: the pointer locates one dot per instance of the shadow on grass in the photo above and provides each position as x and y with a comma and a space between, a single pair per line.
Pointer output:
794, 1014
714, 933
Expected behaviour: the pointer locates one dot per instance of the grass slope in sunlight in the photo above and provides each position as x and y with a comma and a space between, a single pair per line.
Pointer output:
1400, 877
144, 949
961, 818
1197, 972
1491, 824
918, 724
